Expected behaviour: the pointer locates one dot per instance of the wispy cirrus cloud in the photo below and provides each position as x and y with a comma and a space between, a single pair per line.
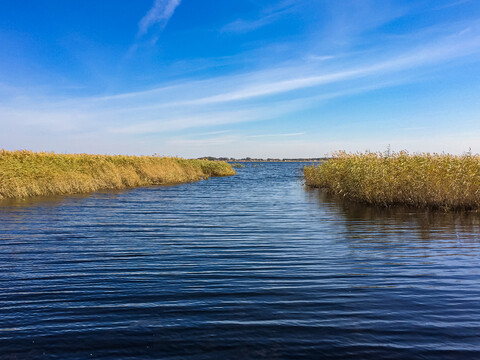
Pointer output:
428, 55
224, 100
453, 4
266, 17
158, 15
277, 135
300, 76
241, 25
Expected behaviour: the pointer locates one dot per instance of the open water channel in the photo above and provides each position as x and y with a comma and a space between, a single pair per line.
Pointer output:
254, 266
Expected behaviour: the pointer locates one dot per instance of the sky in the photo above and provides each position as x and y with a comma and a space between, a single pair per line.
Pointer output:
240, 78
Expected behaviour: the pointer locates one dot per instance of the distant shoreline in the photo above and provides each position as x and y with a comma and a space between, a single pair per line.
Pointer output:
263, 160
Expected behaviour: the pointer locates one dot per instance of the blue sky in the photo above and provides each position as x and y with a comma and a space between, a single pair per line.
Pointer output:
258, 78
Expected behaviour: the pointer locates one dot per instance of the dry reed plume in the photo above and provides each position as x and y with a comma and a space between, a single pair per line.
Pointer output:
25, 173
445, 182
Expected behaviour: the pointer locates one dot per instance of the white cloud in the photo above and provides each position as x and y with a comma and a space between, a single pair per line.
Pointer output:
267, 16
320, 57
192, 118
218, 101
160, 13
246, 86
277, 135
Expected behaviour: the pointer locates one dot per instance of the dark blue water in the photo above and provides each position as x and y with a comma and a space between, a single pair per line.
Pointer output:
248, 267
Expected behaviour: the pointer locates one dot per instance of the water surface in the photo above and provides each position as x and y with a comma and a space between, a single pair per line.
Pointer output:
247, 267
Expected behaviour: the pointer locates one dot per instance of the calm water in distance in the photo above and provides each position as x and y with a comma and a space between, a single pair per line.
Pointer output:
254, 266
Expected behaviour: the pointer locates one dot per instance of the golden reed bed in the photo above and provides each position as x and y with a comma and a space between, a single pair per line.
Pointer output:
433, 181
25, 173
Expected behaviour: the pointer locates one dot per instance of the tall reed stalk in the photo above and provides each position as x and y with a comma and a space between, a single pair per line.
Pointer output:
438, 181
25, 173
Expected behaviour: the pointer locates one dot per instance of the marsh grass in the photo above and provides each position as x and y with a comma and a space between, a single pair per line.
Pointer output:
435, 181
25, 173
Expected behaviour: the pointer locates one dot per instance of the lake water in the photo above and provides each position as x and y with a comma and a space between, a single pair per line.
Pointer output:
248, 267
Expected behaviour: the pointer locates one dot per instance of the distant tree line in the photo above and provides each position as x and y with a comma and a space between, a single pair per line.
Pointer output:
247, 159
